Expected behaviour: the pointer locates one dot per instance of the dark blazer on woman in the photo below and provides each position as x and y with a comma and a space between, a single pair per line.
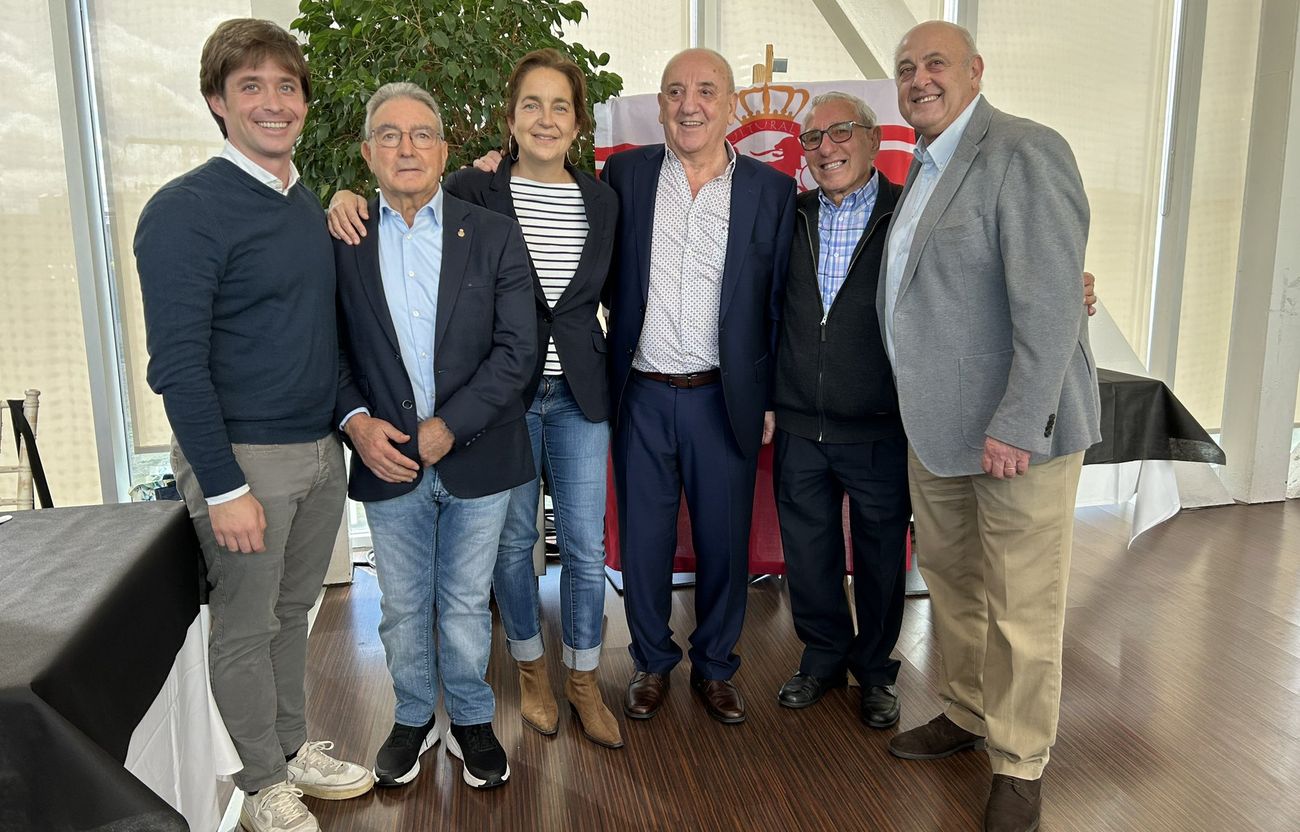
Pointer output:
572, 322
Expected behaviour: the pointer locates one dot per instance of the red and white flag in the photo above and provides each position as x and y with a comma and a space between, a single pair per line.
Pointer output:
765, 125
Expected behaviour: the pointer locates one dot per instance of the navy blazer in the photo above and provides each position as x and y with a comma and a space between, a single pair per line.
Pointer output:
753, 280
485, 345
572, 321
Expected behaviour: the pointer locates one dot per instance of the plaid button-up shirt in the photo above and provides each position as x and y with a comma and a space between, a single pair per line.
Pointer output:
839, 228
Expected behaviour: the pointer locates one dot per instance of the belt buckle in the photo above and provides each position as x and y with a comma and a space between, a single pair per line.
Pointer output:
687, 381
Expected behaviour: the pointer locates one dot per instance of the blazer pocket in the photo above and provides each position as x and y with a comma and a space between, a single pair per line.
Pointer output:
760, 370
598, 342
957, 228
982, 384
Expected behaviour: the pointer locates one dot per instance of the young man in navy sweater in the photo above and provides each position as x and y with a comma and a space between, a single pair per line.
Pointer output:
237, 275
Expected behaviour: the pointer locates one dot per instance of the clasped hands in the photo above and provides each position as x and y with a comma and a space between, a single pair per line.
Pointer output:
374, 440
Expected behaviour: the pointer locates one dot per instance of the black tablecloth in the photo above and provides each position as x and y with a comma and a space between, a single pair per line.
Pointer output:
95, 602
1141, 419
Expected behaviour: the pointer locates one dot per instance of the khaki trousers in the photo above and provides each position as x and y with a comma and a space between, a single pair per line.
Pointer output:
996, 557
259, 601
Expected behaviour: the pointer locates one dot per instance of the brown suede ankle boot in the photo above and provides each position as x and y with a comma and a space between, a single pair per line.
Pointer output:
536, 702
596, 721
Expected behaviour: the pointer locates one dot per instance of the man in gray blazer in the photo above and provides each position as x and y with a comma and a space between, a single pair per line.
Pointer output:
978, 301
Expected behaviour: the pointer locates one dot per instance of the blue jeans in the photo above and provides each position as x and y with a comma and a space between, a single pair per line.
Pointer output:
573, 452
434, 555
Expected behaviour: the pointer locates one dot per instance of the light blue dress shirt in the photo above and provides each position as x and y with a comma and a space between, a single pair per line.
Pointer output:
934, 158
410, 261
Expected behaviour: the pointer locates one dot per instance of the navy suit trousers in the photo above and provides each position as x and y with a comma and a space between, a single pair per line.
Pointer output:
668, 441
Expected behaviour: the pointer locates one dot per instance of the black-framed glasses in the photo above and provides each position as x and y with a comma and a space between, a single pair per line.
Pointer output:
839, 133
422, 138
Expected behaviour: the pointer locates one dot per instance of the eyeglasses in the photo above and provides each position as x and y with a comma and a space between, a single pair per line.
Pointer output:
422, 138
839, 133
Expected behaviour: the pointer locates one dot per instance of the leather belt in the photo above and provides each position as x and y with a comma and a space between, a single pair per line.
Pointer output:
687, 380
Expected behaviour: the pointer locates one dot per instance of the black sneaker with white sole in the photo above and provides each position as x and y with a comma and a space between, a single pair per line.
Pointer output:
398, 760
484, 758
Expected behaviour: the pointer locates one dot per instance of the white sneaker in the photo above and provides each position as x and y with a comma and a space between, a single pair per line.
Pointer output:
276, 809
319, 775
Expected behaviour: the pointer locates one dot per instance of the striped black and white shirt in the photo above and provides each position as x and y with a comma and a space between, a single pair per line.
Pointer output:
554, 222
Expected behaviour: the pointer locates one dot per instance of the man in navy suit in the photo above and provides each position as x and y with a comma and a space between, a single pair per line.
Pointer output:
439, 338
703, 240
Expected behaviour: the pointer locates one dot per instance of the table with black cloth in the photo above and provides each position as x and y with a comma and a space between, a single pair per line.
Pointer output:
95, 602
1140, 420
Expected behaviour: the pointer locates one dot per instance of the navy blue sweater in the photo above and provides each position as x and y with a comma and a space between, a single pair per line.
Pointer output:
238, 287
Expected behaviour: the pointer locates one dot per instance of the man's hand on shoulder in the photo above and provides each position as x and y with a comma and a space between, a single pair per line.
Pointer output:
239, 524
373, 439
488, 162
1002, 461
436, 440
347, 217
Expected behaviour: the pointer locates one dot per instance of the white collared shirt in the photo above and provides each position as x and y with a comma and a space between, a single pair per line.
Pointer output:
688, 252
934, 158
232, 154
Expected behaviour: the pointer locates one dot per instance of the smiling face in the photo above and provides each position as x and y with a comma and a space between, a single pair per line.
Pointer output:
263, 107
937, 77
407, 175
840, 169
696, 102
544, 122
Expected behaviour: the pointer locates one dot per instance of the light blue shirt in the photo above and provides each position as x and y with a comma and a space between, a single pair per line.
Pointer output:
934, 158
410, 261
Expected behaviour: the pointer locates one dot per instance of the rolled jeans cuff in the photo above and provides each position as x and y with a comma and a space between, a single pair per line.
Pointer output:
585, 659
526, 650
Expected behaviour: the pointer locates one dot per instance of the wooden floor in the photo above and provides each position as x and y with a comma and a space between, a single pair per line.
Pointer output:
1180, 710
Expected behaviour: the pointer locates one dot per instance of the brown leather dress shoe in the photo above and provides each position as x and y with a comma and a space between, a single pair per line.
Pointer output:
721, 699
938, 738
645, 694
1014, 805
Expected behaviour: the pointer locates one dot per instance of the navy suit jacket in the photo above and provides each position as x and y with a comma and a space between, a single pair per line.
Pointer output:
485, 345
753, 280
572, 321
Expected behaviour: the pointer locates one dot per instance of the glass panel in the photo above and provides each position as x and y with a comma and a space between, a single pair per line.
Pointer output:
1097, 73
42, 341
637, 52
154, 126
1214, 227
797, 31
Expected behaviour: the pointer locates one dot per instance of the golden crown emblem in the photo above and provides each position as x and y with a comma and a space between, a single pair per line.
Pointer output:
767, 100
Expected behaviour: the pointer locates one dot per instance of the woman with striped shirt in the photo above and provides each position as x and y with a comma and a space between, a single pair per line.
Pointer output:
567, 219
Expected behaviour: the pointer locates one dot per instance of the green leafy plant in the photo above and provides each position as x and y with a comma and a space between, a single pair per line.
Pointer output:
461, 51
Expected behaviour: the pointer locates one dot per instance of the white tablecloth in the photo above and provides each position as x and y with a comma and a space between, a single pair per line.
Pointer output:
181, 748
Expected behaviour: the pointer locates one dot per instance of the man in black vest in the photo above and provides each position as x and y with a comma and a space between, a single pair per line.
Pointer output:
838, 428
838, 425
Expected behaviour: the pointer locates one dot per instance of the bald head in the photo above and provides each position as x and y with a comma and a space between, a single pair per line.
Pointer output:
700, 53
938, 71
945, 29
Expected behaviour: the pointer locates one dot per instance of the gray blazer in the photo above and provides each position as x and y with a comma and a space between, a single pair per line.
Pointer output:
990, 336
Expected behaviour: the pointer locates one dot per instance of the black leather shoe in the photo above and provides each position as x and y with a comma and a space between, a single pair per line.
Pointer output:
879, 706
645, 694
802, 689
720, 698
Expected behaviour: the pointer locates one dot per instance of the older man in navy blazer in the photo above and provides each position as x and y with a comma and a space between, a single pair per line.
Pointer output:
703, 241
440, 339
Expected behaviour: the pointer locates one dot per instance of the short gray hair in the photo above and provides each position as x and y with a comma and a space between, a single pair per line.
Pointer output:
862, 112
401, 89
